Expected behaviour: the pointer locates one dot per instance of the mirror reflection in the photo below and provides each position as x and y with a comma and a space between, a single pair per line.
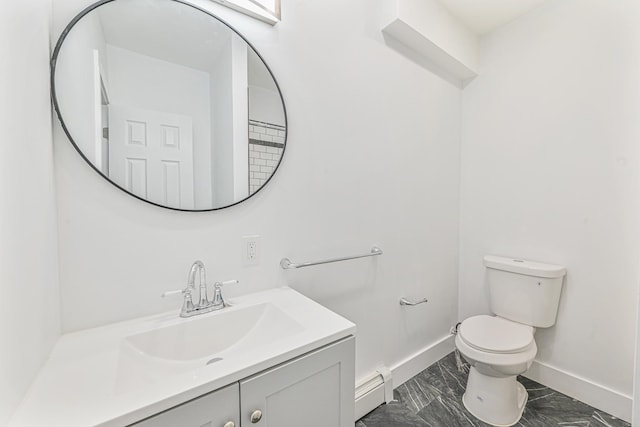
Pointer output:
169, 103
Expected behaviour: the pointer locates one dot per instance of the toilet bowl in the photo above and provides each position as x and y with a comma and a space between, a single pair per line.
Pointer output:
497, 350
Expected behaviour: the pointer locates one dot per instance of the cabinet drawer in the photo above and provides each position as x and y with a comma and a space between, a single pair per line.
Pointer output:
215, 409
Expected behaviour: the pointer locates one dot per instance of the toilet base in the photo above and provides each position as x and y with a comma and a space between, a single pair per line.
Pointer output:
493, 400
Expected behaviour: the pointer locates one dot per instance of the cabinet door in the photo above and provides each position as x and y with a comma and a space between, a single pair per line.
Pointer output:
216, 409
315, 390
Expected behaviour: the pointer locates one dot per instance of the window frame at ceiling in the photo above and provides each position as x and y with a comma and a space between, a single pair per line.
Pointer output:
254, 9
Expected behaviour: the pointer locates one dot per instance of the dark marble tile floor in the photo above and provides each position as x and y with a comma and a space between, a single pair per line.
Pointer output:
433, 398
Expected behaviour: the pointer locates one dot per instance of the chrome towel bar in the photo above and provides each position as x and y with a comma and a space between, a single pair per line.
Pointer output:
286, 263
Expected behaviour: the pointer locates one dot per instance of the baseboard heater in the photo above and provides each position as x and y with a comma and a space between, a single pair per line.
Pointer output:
373, 391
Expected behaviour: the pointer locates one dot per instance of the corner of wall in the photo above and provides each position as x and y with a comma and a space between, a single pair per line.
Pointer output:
28, 249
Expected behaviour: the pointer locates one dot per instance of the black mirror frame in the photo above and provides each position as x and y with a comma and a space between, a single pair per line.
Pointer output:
54, 100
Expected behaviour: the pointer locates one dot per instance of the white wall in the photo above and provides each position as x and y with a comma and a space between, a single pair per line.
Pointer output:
635, 416
240, 118
29, 295
372, 158
550, 159
141, 81
222, 124
229, 99
265, 106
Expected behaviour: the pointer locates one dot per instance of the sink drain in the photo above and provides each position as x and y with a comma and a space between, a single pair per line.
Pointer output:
214, 360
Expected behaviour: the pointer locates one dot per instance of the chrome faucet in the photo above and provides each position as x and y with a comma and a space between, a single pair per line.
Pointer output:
198, 267
204, 305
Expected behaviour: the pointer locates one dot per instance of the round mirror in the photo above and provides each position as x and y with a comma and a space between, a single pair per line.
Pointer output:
168, 103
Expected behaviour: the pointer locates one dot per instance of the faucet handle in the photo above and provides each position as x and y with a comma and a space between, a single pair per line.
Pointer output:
172, 293
226, 282
218, 299
187, 303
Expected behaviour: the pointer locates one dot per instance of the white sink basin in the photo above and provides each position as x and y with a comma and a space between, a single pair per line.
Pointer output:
118, 374
186, 346
208, 335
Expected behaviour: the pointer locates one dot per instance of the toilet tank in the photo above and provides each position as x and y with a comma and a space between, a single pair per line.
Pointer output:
524, 291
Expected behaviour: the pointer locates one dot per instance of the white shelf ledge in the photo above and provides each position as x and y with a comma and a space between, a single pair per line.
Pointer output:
405, 34
425, 28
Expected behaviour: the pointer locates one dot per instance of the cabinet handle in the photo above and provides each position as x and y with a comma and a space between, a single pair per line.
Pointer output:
230, 424
256, 416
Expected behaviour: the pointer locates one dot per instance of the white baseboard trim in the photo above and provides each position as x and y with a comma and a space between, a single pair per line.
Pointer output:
373, 391
377, 388
615, 403
418, 362
367, 402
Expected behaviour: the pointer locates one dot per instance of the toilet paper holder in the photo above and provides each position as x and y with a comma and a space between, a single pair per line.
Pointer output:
404, 301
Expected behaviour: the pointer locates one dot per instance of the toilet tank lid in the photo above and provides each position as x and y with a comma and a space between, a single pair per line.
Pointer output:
520, 266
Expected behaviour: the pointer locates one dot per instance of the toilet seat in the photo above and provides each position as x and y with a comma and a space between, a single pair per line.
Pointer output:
495, 335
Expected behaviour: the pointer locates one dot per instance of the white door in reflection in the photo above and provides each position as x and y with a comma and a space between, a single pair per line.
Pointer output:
151, 155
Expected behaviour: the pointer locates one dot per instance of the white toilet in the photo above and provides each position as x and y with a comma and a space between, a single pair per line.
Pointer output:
524, 295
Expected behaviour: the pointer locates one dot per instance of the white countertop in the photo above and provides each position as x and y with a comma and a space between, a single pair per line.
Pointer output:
83, 384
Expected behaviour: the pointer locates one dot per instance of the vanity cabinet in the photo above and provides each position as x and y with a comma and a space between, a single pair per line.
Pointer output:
313, 390
217, 409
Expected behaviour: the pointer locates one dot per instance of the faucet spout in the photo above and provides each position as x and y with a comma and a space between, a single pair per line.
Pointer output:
198, 267
204, 305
